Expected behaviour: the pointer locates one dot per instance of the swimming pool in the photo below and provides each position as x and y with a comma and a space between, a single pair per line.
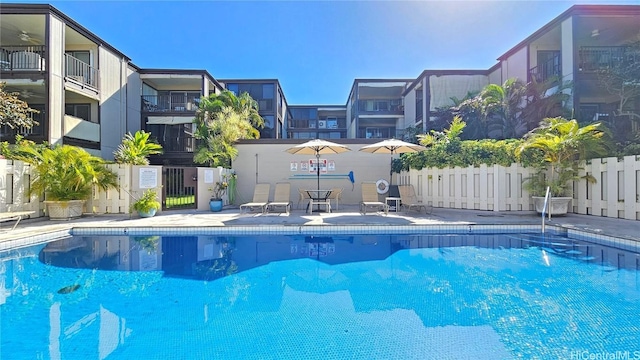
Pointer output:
435, 296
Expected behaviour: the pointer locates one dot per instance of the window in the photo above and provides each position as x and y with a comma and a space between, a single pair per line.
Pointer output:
83, 56
268, 131
267, 91
81, 111
233, 88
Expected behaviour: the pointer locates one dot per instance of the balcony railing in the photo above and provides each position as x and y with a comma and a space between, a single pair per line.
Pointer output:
594, 58
386, 106
551, 68
8, 133
80, 72
170, 103
322, 124
22, 58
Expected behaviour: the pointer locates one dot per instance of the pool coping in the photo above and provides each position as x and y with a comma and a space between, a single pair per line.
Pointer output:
461, 229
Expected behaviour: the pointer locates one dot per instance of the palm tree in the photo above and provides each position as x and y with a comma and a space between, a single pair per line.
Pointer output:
562, 143
228, 126
501, 107
136, 149
221, 120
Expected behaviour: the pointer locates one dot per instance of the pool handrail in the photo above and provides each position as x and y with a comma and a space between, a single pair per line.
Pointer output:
544, 207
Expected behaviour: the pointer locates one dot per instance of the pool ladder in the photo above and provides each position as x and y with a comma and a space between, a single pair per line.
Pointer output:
545, 207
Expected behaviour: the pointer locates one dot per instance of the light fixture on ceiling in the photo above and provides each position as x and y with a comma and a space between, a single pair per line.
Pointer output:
24, 36
595, 33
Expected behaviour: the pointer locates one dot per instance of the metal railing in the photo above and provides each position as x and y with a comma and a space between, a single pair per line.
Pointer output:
9, 133
594, 58
22, 58
170, 103
79, 71
545, 207
547, 70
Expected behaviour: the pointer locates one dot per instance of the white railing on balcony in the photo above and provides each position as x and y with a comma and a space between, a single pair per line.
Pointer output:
22, 58
80, 72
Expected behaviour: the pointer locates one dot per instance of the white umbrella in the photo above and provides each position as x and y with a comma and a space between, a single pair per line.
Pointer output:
392, 146
317, 147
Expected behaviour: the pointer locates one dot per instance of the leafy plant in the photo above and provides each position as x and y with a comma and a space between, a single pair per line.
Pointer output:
147, 202
222, 120
13, 111
63, 172
561, 144
135, 149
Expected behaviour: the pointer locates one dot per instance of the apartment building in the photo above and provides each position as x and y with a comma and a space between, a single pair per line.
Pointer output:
90, 94
272, 104
317, 122
574, 47
86, 90
375, 108
169, 101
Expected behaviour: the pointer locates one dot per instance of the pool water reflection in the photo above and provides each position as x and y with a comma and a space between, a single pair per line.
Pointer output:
289, 297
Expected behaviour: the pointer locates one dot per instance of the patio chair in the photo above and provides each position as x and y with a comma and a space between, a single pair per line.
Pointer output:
336, 194
409, 200
260, 198
370, 199
14, 216
281, 197
303, 197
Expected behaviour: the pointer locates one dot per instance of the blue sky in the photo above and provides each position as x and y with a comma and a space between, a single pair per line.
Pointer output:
315, 49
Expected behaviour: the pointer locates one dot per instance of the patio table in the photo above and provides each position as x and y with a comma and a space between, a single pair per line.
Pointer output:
318, 197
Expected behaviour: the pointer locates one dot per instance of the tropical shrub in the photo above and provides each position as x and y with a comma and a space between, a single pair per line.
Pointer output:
63, 172
136, 149
560, 145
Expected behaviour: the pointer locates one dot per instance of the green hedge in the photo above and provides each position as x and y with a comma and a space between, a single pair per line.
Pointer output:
465, 153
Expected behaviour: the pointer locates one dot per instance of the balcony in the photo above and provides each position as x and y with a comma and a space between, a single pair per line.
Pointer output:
549, 69
9, 134
25, 58
80, 73
322, 124
180, 103
595, 58
380, 107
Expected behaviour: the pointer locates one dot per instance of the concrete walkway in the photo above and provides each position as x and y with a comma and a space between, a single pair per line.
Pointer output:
346, 215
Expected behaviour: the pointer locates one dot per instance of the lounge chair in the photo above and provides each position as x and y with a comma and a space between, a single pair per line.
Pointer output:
281, 198
410, 201
336, 194
370, 199
260, 198
14, 216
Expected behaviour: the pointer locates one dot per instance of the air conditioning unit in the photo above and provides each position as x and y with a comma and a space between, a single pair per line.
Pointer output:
322, 124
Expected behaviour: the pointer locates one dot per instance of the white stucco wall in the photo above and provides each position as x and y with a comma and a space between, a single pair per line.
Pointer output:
270, 163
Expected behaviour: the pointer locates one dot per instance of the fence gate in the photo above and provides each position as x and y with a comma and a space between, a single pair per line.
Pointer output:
179, 190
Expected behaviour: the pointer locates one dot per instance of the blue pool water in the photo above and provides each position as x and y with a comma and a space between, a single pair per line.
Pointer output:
487, 296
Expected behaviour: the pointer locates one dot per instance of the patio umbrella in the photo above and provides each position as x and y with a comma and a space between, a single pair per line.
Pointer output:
317, 147
392, 146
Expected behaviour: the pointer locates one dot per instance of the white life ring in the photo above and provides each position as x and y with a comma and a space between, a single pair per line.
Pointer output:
382, 186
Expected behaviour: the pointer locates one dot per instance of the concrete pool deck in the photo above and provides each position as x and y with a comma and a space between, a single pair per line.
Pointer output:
347, 215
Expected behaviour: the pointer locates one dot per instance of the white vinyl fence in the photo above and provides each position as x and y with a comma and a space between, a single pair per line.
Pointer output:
499, 188
15, 177
492, 188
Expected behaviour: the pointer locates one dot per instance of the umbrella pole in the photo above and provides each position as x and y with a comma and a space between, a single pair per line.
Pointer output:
318, 170
391, 169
